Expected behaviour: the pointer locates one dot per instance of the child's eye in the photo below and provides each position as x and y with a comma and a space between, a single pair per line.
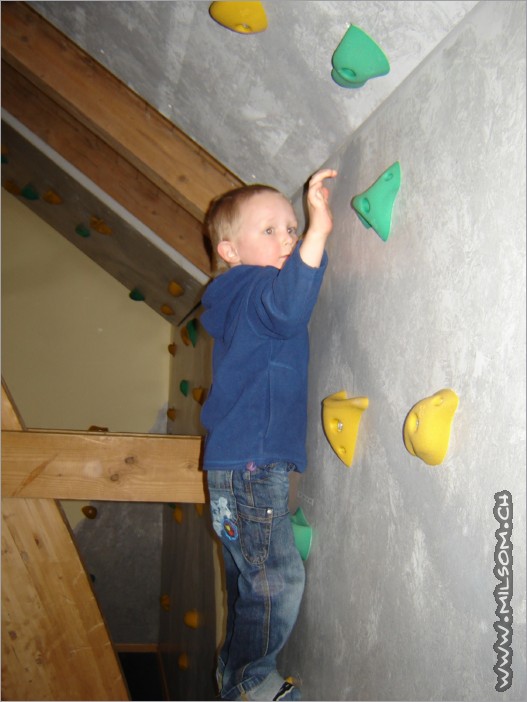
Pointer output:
269, 230
292, 231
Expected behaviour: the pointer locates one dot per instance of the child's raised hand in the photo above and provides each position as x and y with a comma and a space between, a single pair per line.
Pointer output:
320, 218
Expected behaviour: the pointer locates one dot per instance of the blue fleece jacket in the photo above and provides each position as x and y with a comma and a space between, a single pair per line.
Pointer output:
257, 406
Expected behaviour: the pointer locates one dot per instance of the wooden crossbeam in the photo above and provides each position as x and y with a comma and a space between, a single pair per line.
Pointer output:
100, 466
108, 108
104, 166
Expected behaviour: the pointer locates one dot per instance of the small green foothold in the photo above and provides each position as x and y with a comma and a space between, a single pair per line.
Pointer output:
184, 387
192, 329
82, 230
375, 205
5, 159
136, 295
302, 532
357, 59
29, 192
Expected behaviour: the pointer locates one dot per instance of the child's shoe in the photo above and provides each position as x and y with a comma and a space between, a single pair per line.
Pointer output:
288, 691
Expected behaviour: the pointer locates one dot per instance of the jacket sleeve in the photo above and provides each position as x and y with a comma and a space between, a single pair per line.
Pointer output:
280, 305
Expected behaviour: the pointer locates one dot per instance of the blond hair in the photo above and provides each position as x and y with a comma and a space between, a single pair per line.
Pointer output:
223, 216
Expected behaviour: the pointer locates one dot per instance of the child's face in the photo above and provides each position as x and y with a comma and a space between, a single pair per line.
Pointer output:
266, 233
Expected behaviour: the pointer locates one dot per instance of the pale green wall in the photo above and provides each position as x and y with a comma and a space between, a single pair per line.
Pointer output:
76, 350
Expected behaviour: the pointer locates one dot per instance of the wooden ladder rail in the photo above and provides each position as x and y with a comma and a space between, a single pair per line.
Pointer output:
55, 642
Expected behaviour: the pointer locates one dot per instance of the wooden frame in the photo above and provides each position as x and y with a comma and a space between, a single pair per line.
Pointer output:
55, 643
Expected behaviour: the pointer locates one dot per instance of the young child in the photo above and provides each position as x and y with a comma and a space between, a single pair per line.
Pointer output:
257, 313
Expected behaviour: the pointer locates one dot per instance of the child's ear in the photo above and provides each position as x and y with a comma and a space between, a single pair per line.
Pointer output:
227, 251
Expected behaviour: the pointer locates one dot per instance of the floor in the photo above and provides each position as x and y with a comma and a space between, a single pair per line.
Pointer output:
143, 675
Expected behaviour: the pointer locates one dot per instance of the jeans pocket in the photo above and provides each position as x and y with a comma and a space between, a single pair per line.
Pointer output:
255, 525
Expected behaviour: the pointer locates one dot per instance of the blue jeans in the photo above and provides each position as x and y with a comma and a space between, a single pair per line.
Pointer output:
264, 574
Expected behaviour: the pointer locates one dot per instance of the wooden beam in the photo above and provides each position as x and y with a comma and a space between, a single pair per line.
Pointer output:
100, 466
55, 644
104, 166
94, 96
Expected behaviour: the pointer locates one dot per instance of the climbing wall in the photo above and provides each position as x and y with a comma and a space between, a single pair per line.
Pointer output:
399, 602
192, 599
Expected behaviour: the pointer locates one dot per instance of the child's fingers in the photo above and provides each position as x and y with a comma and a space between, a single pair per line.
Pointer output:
322, 175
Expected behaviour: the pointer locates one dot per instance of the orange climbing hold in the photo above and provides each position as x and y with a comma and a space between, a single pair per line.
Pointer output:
193, 619
11, 187
165, 602
175, 289
178, 515
172, 349
183, 661
171, 413
166, 309
89, 511
199, 395
100, 226
52, 197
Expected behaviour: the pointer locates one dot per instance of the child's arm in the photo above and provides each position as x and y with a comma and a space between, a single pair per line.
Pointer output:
320, 219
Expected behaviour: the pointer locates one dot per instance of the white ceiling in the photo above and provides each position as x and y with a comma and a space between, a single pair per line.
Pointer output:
265, 104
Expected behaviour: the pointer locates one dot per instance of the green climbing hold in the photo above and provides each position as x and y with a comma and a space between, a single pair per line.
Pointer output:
302, 532
29, 192
136, 295
82, 230
184, 386
357, 59
192, 329
375, 205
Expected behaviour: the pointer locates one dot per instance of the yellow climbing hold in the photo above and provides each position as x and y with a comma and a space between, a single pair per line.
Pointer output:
341, 418
241, 17
427, 426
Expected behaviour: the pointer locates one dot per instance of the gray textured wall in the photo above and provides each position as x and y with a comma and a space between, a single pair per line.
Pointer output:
399, 601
